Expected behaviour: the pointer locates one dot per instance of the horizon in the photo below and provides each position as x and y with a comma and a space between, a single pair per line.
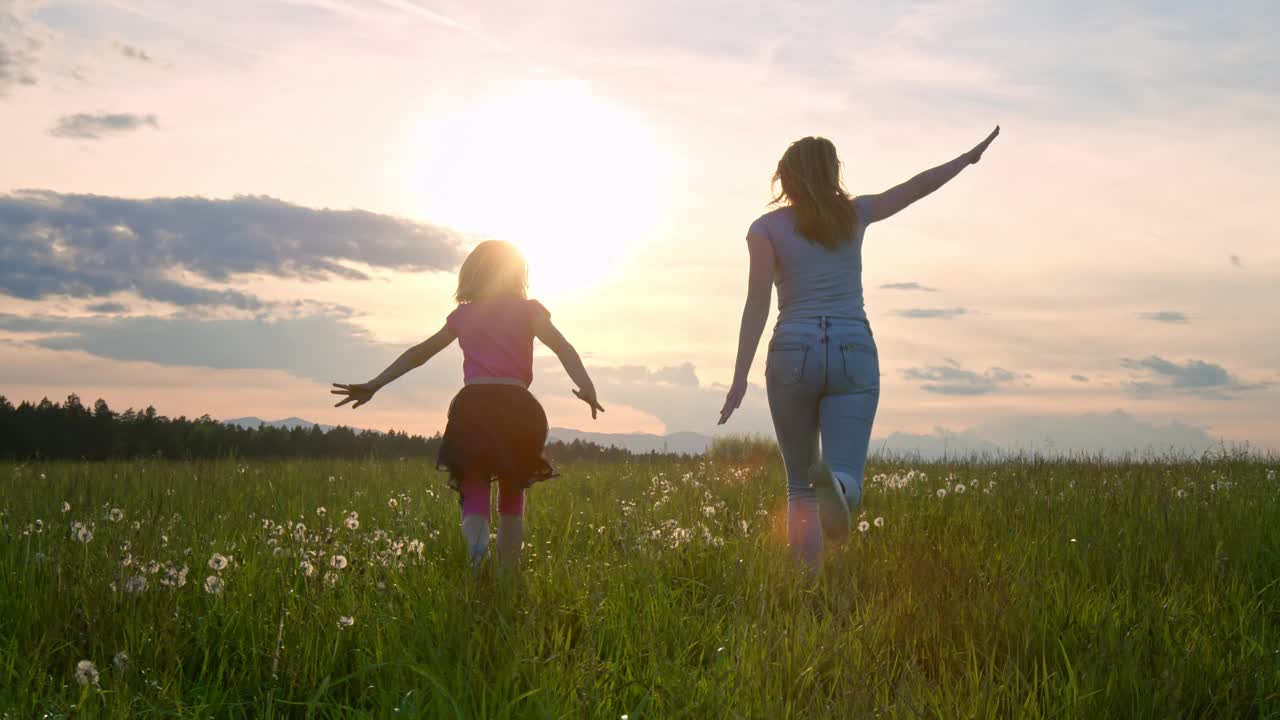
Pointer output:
223, 212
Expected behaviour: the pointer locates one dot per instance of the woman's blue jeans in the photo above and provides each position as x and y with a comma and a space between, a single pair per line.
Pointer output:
823, 380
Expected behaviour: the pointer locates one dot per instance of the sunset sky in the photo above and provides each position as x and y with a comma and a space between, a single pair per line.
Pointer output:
223, 207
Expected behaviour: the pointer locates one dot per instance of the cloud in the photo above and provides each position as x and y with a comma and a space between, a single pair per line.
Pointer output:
952, 379
92, 246
107, 307
135, 53
1113, 434
18, 50
1166, 316
931, 313
1080, 378
907, 286
1194, 376
85, 126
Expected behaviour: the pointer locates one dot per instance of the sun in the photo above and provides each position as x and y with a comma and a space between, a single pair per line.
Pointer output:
571, 178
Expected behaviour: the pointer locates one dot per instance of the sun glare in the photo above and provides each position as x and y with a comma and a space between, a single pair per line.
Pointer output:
571, 178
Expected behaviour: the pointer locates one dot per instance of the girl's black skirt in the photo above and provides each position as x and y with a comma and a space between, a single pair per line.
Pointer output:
495, 431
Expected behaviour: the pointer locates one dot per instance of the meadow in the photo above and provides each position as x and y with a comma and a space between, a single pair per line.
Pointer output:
1021, 588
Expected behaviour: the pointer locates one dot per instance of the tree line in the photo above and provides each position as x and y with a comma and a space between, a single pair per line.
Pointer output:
73, 431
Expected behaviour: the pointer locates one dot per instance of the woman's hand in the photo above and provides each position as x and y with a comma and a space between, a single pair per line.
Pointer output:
975, 154
359, 393
588, 396
737, 391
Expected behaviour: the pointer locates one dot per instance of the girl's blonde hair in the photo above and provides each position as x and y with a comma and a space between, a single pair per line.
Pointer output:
810, 175
493, 269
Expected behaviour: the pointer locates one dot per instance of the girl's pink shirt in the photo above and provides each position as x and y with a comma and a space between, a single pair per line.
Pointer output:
496, 337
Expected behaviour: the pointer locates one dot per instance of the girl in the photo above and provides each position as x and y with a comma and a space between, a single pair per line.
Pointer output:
822, 374
496, 428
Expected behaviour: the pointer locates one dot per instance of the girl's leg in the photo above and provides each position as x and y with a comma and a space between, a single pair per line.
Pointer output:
510, 522
475, 516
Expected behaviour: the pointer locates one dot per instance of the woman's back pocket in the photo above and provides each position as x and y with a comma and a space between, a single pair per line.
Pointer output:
861, 364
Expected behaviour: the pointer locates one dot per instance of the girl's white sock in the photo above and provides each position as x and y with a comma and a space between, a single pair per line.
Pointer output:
475, 531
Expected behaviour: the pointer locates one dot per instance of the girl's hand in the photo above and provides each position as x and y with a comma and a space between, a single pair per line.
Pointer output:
737, 391
976, 153
359, 393
589, 397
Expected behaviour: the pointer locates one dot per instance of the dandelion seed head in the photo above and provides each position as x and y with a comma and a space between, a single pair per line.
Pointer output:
338, 562
306, 568
346, 621
393, 503
116, 515
213, 585
942, 492
66, 506
86, 673
320, 511
879, 522
121, 661
864, 526
218, 563
960, 488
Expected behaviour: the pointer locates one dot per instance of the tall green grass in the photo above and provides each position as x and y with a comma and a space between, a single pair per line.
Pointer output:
1038, 589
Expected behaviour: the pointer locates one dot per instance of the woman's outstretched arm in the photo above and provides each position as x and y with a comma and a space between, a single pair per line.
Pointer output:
569, 358
755, 313
361, 393
889, 202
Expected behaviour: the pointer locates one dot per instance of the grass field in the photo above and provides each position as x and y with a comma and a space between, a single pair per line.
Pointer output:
1017, 589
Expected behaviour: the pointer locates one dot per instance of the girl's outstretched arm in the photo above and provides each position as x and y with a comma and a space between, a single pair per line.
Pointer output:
889, 202
545, 331
361, 393
755, 313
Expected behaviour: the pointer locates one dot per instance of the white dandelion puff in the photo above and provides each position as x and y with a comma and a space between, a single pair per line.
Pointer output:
393, 503
960, 488
864, 526
330, 578
338, 562
346, 621
84, 534
1181, 493
879, 522
86, 673
116, 515
306, 568
213, 585
218, 563
121, 661
66, 506
942, 492
352, 522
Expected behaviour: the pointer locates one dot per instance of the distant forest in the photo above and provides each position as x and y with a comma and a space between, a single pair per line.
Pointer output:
72, 431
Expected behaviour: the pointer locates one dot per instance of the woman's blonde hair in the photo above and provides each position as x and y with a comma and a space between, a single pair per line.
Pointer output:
493, 269
809, 172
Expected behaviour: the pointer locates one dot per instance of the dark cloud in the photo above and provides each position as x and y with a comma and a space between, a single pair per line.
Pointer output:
319, 346
1194, 376
95, 126
107, 307
932, 313
91, 246
1172, 317
1080, 378
952, 379
907, 286
135, 53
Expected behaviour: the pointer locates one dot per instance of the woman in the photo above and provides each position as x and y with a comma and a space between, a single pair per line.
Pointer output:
823, 372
